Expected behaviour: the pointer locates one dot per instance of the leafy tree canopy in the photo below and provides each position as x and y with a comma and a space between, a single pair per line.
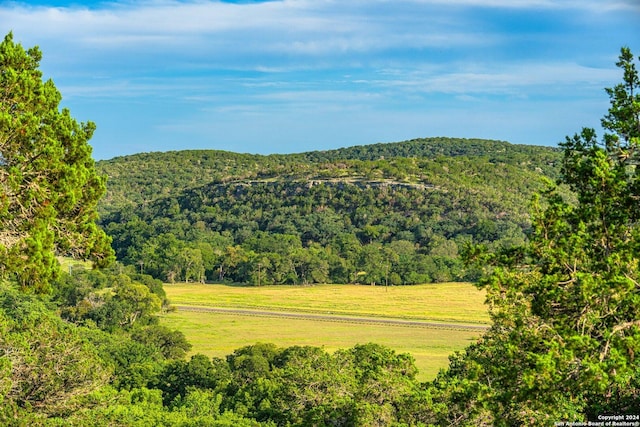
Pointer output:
302, 222
566, 331
49, 187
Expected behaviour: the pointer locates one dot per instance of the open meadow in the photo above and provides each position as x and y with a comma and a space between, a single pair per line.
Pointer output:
218, 334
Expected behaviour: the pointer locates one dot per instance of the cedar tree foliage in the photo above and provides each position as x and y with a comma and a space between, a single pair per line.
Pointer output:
49, 187
565, 340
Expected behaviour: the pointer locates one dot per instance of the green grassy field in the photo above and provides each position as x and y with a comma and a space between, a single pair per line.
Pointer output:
218, 334
443, 302
68, 264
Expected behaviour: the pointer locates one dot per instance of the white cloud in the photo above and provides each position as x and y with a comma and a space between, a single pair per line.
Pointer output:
301, 24
267, 35
515, 79
343, 63
297, 27
593, 5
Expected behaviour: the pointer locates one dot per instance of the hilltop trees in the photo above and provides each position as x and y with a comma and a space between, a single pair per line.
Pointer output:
340, 227
49, 187
566, 335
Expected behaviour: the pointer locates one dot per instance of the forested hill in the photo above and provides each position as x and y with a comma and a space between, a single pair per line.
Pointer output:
386, 213
545, 158
141, 178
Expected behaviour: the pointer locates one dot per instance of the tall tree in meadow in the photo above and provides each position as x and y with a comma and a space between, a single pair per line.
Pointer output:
49, 187
565, 340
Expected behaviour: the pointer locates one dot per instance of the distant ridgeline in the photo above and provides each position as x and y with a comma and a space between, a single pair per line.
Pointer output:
395, 213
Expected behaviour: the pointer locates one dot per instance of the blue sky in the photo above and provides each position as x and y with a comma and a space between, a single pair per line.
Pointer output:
289, 76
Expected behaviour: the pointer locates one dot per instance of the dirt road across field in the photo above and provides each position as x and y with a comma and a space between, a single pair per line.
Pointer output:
330, 317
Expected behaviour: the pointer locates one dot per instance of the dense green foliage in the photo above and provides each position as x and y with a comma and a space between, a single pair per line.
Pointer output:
98, 366
91, 370
49, 187
142, 178
320, 217
44, 362
566, 325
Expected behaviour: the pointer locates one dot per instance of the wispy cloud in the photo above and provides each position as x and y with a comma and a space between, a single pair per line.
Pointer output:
544, 79
295, 27
322, 64
611, 5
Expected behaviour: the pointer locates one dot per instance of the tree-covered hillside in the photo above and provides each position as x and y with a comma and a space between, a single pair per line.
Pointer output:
527, 156
387, 213
144, 177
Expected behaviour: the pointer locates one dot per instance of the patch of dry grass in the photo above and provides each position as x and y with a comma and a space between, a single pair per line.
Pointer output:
443, 302
219, 334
